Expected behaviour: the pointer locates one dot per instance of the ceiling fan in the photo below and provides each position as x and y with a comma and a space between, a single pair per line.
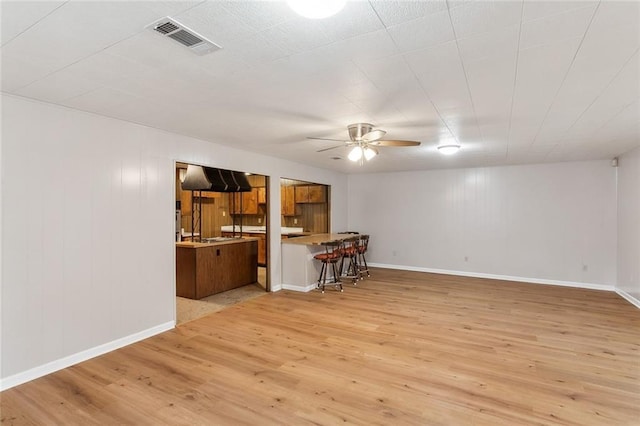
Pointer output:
364, 139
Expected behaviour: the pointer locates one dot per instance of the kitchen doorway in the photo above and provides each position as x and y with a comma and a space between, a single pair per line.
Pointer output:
223, 223
304, 207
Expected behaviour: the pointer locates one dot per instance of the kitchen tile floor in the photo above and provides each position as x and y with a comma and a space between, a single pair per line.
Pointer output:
189, 309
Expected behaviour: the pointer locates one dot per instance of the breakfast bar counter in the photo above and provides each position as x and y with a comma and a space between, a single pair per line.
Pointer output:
300, 270
316, 239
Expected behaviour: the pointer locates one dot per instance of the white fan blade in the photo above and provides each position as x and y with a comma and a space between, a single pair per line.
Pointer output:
327, 139
395, 143
373, 135
331, 147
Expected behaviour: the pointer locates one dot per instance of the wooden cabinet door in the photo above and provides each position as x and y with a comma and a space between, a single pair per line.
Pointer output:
262, 250
311, 194
237, 264
185, 203
245, 202
317, 194
250, 202
207, 271
288, 205
283, 200
302, 194
262, 195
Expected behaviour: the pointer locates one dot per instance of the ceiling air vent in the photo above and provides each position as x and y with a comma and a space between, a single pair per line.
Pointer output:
193, 41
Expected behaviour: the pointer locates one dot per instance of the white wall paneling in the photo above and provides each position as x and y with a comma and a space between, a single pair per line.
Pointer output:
88, 229
554, 223
628, 283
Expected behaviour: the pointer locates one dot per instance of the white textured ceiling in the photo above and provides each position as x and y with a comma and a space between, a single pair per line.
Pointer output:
514, 82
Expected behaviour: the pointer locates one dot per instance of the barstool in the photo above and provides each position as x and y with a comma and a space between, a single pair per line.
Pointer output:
331, 256
350, 251
363, 246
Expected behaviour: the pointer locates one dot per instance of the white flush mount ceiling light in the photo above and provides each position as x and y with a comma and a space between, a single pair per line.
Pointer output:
316, 9
449, 148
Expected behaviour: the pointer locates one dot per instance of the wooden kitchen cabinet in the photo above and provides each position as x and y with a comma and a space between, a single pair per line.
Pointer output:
311, 194
204, 269
262, 249
288, 201
209, 194
262, 195
185, 203
262, 244
249, 203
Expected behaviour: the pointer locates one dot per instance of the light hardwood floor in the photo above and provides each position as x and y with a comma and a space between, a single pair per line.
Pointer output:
400, 348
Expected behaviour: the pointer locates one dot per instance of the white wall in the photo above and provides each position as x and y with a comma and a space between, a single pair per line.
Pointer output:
629, 226
551, 223
88, 230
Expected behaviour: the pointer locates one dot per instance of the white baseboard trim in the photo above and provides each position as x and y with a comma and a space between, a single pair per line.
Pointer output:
50, 367
498, 277
305, 289
635, 302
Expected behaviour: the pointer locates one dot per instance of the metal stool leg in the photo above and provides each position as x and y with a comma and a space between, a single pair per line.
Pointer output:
366, 267
322, 277
336, 276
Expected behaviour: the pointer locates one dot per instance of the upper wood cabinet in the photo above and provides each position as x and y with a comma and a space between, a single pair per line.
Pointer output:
245, 202
209, 194
262, 195
185, 202
311, 194
287, 203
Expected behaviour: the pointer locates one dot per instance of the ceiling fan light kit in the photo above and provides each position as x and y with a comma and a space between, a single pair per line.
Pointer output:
364, 139
316, 9
358, 152
448, 149
369, 153
355, 154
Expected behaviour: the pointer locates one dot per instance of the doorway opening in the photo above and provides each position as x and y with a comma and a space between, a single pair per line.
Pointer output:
304, 207
222, 236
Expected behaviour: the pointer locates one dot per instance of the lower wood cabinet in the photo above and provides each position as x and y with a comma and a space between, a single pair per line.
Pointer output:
205, 269
262, 244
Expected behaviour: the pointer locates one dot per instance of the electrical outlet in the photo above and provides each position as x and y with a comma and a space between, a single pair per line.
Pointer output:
394, 253
585, 267
466, 258
259, 220
224, 213
295, 221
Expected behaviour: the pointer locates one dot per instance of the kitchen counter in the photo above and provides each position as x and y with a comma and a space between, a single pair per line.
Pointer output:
207, 268
316, 239
261, 233
221, 241
250, 229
